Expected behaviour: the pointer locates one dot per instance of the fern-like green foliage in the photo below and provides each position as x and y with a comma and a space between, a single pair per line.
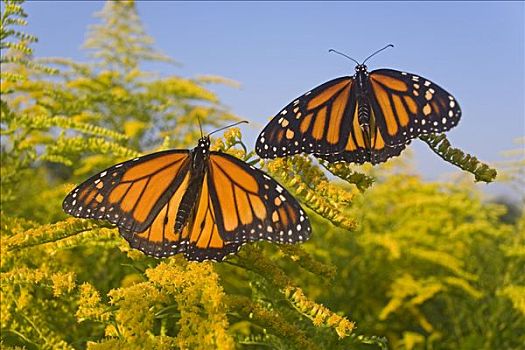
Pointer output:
394, 262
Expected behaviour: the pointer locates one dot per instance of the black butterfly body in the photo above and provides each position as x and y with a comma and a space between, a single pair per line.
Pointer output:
202, 203
367, 117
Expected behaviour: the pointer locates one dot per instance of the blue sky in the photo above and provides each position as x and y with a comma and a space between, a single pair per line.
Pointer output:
279, 50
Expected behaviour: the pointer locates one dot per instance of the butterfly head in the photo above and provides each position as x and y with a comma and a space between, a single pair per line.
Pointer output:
361, 68
201, 153
204, 143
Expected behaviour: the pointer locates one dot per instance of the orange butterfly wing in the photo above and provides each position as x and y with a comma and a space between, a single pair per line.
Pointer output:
324, 121
317, 122
204, 240
199, 240
250, 206
359, 150
159, 239
130, 194
237, 204
407, 105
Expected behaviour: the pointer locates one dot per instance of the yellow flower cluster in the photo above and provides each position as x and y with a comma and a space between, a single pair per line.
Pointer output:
23, 275
71, 145
196, 290
90, 306
408, 292
411, 339
516, 294
230, 144
133, 318
320, 315
51, 233
346, 172
63, 282
232, 135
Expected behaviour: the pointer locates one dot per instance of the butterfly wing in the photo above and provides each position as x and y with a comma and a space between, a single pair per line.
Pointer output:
142, 197
250, 206
199, 239
356, 149
203, 238
130, 194
324, 121
406, 106
317, 122
237, 204
160, 239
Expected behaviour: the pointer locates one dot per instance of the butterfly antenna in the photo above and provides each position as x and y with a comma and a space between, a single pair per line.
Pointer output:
229, 126
342, 54
200, 126
378, 51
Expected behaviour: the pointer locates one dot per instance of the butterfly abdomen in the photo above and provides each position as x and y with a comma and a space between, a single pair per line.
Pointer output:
191, 196
363, 111
363, 107
186, 208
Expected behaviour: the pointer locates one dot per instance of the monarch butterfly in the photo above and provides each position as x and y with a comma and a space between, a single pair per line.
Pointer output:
202, 203
367, 117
